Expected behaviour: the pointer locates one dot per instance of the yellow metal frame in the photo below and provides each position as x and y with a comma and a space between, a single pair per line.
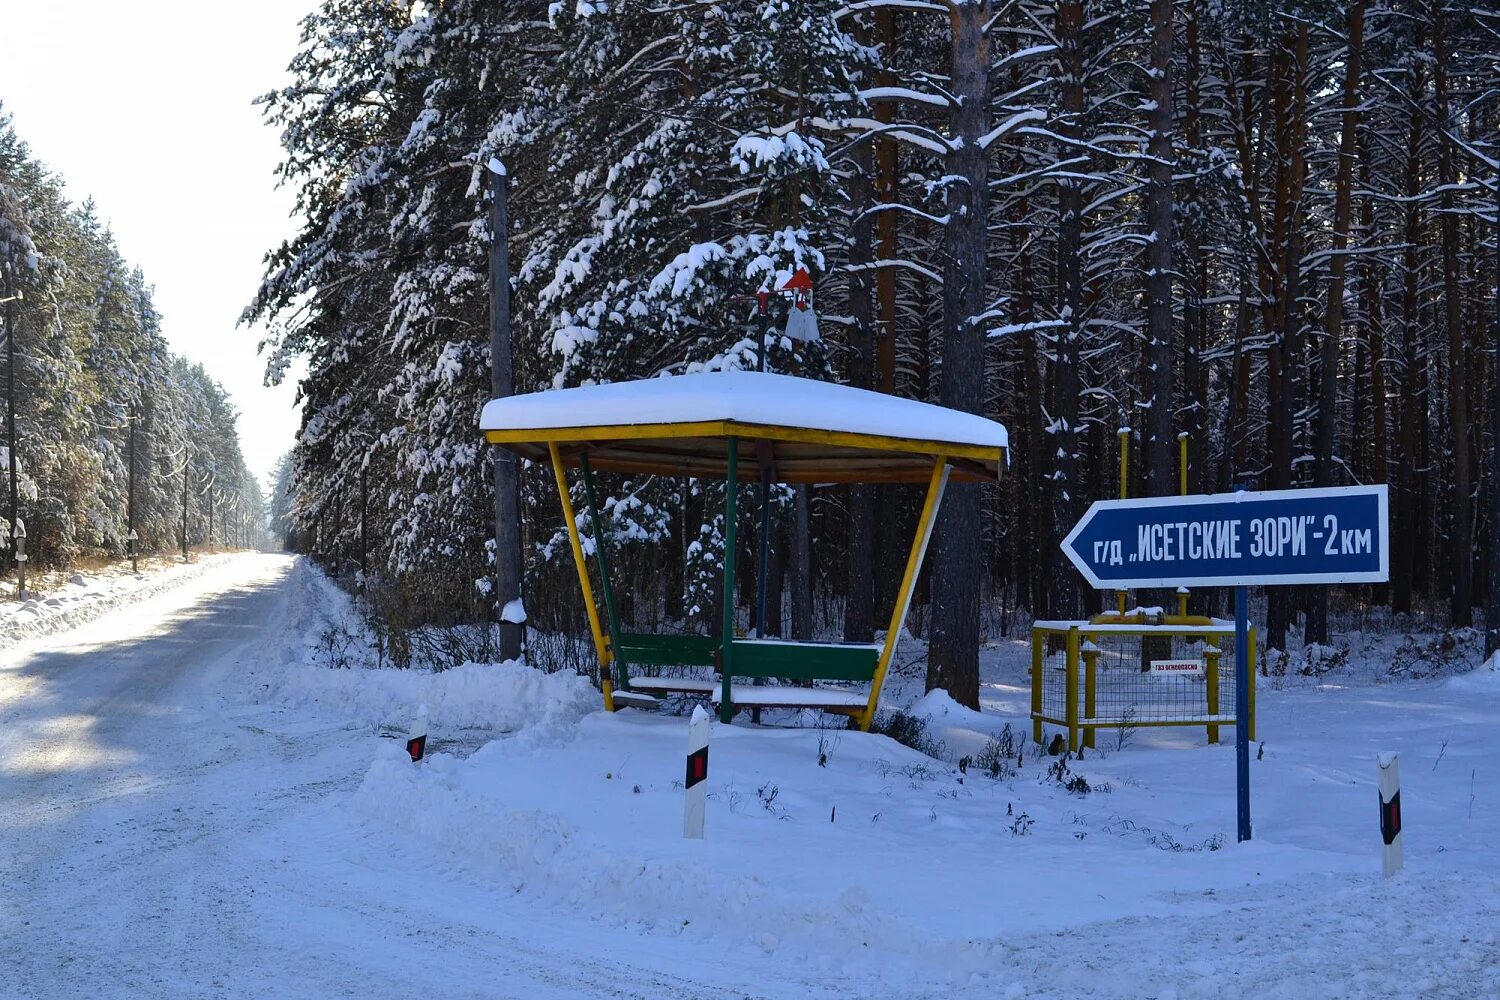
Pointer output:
945, 455
914, 559
1076, 634
602, 644
734, 428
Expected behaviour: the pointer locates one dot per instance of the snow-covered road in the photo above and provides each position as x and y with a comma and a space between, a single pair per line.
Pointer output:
158, 841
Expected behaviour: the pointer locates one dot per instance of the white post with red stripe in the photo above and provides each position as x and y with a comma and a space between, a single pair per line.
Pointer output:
696, 782
1390, 812
416, 736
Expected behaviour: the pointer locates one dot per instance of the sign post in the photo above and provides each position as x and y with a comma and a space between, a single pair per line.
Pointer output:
1239, 540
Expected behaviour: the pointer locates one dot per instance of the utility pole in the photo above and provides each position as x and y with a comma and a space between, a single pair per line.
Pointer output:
507, 491
364, 506
130, 498
10, 369
186, 461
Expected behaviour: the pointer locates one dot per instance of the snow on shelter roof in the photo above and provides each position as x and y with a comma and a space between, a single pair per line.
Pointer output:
808, 431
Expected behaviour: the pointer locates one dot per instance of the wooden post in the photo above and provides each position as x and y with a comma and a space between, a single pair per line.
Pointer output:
507, 489
1211, 654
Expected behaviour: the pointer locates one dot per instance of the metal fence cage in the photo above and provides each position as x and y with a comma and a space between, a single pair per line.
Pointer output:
1087, 676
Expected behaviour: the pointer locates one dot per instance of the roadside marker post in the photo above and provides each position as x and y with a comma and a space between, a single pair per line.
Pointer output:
1240, 540
416, 736
696, 782
1390, 812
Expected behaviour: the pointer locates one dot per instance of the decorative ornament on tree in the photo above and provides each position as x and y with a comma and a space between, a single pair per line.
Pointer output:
801, 321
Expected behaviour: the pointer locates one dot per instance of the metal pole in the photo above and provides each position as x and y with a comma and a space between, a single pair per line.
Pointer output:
764, 558
731, 519
1242, 708
507, 492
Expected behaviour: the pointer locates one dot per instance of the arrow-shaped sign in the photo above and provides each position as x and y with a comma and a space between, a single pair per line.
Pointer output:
1335, 535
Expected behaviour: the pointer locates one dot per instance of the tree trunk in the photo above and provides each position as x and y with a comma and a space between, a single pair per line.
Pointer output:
1405, 527
802, 595
1492, 600
1461, 541
953, 641
859, 608
887, 498
1328, 364
1158, 452
1194, 383
1065, 599
1283, 389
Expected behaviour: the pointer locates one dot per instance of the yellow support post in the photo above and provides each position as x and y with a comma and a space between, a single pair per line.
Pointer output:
1252, 682
601, 644
1120, 596
1037, 660
1090, 689
1071, 712
1211, 675
935, 486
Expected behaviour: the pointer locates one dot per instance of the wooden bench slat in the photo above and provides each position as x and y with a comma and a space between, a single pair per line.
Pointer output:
780, 658
686, 685
638, 649
810, 661
757, 696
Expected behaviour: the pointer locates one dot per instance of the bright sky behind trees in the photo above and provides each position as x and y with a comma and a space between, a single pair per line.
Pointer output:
147, 108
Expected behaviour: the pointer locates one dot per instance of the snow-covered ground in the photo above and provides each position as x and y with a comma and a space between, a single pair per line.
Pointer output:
194, 806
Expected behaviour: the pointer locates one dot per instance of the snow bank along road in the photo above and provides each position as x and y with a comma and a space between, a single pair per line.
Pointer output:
156, 842
164, 832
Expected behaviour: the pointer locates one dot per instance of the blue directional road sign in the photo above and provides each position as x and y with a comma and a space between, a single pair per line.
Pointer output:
1336, 535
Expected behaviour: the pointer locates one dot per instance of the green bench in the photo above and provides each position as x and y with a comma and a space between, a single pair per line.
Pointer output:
752, 658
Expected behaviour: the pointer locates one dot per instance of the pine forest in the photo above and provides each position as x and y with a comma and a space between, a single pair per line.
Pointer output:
113, 433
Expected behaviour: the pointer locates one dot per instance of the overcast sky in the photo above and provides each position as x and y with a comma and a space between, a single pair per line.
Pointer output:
146, 107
